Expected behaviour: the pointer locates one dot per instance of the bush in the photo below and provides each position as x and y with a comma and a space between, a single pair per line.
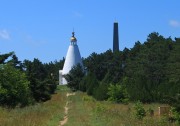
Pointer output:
176, 115
140, 112
14, 87
117, 94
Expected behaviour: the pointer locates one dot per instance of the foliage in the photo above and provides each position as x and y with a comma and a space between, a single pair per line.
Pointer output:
14, 87
117, 93
176, 115
91, 83
41, 79
15, 62
42, 85
100, 93
150, 69
175, 103
146, 69
52, 69
140, 112
74, 77
150, 111
4, 57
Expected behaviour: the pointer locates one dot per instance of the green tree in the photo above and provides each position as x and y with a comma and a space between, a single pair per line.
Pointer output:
38, 77
4, 57
15, 62
145, 68
14, 87
171, 85
150, 70
99, 63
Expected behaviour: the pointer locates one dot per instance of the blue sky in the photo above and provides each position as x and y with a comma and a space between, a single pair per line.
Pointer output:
42, 28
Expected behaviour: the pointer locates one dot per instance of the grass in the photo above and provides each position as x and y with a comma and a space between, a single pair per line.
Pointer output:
83, 111
42, 114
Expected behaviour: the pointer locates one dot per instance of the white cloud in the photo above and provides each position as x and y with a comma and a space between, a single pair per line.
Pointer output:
174, 23
4, 34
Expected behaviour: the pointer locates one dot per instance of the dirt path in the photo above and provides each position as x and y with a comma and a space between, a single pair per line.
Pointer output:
64, 121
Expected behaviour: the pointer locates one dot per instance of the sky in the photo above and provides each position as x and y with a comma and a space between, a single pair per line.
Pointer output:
42, 28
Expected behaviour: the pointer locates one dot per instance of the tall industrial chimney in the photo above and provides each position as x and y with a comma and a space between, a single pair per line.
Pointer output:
115, 37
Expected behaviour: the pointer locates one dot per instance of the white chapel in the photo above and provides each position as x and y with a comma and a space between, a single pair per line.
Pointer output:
73, 57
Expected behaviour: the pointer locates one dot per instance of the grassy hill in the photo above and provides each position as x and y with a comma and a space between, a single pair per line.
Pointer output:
83, 110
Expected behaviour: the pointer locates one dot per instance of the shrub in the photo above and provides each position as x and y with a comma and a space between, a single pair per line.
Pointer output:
150, 111
117, 94
176, 115
140, 112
